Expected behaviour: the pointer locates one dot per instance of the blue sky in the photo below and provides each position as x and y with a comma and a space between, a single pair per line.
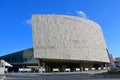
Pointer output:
15, 20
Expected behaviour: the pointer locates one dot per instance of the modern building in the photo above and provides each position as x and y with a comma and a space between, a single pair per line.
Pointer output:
117, 62
21, 59
67, 43
112, 60
3, 65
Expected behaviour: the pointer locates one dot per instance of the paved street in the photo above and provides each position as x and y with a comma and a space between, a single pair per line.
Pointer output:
56, 76
2, 77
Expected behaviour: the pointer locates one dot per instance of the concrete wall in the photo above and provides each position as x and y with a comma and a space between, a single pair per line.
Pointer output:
2, 70
69, 38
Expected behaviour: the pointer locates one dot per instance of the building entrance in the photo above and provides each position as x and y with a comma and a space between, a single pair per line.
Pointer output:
61, 67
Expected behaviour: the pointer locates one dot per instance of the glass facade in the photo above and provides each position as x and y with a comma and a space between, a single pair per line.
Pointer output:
21, 57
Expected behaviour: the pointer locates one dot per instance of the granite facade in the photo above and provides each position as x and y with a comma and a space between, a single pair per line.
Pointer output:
68, 38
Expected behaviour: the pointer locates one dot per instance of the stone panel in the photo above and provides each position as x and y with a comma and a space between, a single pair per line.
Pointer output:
67, 37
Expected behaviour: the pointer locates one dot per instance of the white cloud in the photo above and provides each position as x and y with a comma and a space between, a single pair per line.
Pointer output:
81, 14
28, 21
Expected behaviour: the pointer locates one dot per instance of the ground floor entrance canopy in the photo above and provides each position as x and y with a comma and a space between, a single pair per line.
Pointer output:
47, 65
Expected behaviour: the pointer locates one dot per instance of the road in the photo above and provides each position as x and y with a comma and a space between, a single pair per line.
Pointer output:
2, 76
54, 76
